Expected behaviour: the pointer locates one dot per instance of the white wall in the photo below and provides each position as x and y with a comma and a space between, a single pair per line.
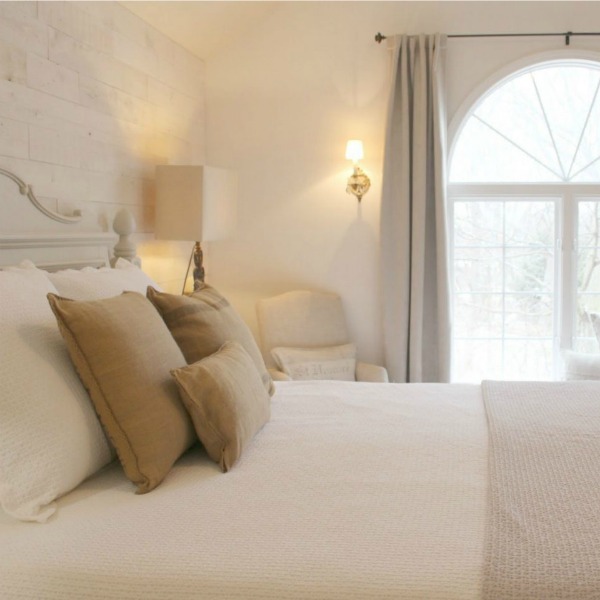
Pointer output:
283, 100
91, 99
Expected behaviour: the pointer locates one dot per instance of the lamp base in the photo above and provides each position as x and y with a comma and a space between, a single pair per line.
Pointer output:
197, 256
198, 266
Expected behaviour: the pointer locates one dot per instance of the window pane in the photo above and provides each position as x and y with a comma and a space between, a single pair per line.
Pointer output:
481, 154
589, 224
539, 126
567, 92
529, 316
529, 270
588, 345
504, 294
529, 223
528, 359
515, 110
586, 304
478, 315
588, 275
477, 223
589, 174
475, 360
478, 270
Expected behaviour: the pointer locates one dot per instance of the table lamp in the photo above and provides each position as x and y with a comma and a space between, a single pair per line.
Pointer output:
194, 203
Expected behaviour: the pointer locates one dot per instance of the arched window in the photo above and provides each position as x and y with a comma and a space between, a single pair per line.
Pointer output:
524, 191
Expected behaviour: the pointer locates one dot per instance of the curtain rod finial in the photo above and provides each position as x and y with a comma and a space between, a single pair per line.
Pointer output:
379, 37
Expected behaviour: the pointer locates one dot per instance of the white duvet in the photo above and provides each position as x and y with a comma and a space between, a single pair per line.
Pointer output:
352, 491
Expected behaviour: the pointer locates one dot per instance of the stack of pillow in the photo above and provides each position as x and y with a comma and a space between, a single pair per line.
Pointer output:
161, 371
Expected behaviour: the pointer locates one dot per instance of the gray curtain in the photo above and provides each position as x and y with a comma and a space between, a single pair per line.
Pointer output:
416, 304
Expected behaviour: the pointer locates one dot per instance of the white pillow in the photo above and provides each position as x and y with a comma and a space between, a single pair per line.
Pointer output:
50, 437
581, 366
335, 362
94, 284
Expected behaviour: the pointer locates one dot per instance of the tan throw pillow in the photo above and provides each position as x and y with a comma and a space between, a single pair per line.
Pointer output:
124, 354
335, 362
203, 322
226, 400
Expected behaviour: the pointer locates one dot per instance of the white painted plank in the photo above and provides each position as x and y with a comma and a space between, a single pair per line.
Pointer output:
21, 30
19, 9
142, 57
99, 156
139, 103
46, 76
69, 18
170, 99
12, 63
120, 189
13, 139
55, 147
182, 77
26, 104
118, 19
72, 53
104, 98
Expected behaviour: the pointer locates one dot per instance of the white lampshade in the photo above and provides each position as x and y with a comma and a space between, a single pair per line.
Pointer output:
354, 150
194, 203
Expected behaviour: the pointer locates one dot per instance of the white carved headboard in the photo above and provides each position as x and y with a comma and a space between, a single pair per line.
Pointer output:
29, 229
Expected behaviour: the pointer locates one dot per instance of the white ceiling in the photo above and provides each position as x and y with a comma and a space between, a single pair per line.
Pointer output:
202, 26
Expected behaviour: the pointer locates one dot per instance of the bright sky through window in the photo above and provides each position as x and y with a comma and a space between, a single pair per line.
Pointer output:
541, 126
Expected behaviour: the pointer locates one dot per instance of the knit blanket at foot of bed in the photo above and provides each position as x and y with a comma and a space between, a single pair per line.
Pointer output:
543, 527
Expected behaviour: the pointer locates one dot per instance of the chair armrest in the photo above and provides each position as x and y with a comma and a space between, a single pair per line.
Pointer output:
372, 373
278, 375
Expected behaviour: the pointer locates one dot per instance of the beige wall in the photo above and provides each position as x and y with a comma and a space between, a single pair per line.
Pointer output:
284, 99
91, 98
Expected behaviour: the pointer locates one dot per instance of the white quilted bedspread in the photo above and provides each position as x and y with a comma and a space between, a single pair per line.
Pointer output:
352, 491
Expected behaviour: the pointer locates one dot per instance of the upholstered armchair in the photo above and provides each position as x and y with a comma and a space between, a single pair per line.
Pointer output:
308, 320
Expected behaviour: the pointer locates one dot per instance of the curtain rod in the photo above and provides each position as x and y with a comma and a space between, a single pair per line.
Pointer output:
567, 35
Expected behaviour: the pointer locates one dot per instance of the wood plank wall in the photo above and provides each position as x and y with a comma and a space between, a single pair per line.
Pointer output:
91, 99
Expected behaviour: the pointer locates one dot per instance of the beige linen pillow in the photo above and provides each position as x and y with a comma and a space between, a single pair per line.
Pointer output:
227, 401
124, 353
203, 322
334, 362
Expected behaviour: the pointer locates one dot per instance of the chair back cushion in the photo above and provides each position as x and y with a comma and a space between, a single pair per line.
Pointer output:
300, 319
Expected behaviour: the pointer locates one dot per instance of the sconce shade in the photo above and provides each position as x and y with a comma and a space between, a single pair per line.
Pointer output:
194, 203
354, 150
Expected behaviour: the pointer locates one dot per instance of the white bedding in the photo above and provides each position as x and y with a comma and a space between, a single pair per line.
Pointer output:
352, 491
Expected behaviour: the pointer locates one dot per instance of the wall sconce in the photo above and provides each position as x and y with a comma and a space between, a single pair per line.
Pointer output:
358, 183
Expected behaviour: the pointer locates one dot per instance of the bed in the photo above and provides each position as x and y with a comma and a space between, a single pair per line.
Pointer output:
350, 490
